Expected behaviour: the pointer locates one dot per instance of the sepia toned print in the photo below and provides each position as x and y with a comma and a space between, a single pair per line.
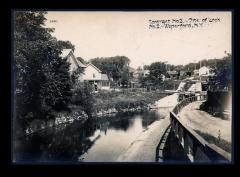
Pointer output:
152, 87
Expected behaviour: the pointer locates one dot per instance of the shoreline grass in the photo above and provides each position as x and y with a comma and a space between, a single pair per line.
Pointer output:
118, 100
221, 143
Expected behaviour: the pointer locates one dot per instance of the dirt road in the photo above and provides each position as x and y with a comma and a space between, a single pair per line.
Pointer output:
204, 122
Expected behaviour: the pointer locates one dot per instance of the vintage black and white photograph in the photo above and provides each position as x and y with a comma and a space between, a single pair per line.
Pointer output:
122, 86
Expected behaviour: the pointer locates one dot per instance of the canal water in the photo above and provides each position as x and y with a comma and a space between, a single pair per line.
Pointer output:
101, 140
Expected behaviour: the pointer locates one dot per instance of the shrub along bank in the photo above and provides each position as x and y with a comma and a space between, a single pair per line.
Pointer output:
106, 102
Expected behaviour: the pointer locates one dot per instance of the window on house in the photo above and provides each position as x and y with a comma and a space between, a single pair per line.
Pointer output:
94, 75
105, 83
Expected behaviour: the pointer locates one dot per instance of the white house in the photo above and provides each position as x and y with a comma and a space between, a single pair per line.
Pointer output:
172, 74
91, 73
74, 62
196, 72
163, 77
204, 71
94, 76
141, 72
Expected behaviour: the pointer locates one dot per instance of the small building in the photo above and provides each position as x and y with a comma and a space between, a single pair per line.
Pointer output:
196, 72
146, 73
172, 74
91, 73
205, 74
141, 73
204, 71
163, 77
182, 73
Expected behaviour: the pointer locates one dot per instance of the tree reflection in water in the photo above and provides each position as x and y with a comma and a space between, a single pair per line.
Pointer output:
69, 142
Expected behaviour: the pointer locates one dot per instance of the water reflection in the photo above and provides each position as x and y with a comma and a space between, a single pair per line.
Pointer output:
101, 140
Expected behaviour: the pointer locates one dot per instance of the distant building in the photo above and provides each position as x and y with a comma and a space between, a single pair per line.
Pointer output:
163, 77
182, 73
91, 73
141, 73
146, 73
172, 74
206, 74
197, 87
204, 71
196, 72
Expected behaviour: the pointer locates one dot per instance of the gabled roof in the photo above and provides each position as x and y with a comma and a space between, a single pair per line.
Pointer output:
104, 77
204, 67
94, 67
65, 52
82, 60
142, 71
172, 72
80, 63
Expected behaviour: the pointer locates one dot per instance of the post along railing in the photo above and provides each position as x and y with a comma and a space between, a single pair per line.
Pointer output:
195, 147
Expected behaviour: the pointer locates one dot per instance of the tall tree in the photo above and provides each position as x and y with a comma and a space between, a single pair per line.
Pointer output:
223, 72
66, 45
42, 77
116, 67
157, 69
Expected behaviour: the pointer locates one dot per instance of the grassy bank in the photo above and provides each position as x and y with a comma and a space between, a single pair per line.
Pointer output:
105, 100
217, 141
108, 101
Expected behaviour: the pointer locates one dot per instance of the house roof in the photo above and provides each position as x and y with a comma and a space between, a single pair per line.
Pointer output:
142, 71
65, 52
104, 77
172, 72
204, 67
82, 60
81, 64
94, 67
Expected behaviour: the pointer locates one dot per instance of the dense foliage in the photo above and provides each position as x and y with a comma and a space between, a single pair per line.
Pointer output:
42, 79
82, 97
115, 67
223, 73
157, 69
155, 77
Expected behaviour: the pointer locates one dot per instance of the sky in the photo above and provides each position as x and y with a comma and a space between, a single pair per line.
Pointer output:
107, 34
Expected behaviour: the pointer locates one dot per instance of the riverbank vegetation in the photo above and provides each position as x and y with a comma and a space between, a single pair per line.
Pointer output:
120, 101
218, 141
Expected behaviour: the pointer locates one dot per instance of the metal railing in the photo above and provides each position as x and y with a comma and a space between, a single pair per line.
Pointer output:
195, 147
185, 102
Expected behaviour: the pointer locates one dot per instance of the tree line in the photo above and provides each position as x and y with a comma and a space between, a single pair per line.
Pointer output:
222, 68
117, 68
